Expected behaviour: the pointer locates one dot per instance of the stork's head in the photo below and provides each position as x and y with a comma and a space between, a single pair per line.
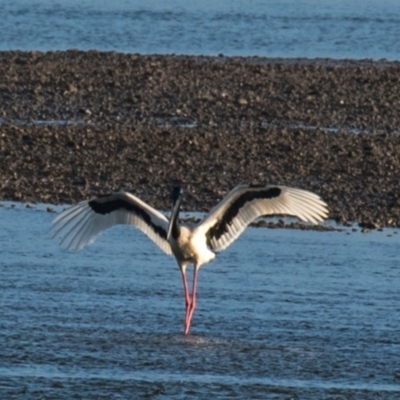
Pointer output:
176, 194
176, 198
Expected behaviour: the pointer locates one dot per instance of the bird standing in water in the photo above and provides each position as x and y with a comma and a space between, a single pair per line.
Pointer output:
190, 243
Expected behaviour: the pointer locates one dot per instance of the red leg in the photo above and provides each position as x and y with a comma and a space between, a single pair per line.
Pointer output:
187, 296
192, 305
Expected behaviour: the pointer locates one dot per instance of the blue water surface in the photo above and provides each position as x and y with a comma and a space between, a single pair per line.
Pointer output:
281, 28
281, 314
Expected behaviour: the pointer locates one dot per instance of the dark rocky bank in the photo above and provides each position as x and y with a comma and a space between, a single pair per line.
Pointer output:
77, 124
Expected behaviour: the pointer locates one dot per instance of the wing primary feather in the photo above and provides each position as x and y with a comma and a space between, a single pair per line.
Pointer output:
309, 204
68, 226
66, 238
75, 241
63, 223
88, 232
94, 230
68, 213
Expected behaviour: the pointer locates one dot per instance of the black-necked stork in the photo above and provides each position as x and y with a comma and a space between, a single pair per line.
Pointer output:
194, 243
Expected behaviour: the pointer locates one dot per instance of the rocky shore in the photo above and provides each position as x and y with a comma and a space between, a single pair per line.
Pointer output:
78, 124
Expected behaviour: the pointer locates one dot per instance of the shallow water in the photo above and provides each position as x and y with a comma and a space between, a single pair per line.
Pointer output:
281, 314
284, 28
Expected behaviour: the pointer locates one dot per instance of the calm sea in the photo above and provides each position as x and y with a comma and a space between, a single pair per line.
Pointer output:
273, 28
282, 314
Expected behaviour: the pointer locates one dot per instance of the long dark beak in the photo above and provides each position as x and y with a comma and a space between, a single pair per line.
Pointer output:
174, 216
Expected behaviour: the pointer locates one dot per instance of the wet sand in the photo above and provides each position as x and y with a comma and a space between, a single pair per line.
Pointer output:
78, 124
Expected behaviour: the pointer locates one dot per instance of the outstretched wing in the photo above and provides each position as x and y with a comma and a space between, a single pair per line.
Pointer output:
79, 225
223, 225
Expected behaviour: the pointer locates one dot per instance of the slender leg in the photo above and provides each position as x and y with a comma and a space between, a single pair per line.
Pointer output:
187, 296
192, 305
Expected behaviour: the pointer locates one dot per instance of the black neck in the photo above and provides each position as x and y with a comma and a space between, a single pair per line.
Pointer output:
173, 228
176, 230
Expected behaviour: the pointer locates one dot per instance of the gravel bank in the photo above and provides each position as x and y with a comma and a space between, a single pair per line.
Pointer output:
77, 124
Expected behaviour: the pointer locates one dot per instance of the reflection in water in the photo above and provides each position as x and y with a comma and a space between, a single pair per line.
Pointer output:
281, 313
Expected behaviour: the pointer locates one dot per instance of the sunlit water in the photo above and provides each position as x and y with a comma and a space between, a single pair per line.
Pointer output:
273, 28
281, 314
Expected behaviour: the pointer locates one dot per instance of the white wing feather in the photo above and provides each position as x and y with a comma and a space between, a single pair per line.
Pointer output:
79, 225
295, 202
